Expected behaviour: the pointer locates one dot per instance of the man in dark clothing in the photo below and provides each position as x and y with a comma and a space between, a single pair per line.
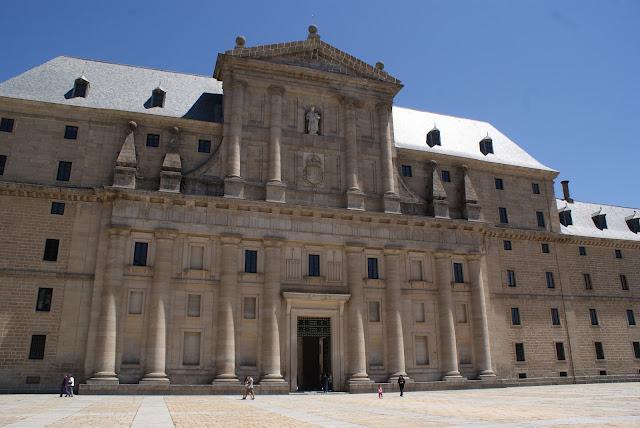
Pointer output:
401, 385
65, 385
325, 382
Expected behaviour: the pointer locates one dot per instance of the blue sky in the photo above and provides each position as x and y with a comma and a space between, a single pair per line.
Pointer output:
561, 78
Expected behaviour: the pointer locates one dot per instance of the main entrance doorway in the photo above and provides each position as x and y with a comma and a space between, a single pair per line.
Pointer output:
314, 352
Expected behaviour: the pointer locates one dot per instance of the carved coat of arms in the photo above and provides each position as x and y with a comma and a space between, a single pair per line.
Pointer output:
313, 169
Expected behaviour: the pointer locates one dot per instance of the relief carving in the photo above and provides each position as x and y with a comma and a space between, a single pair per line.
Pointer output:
313, 172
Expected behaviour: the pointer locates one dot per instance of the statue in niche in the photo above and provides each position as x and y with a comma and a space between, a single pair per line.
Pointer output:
312, 119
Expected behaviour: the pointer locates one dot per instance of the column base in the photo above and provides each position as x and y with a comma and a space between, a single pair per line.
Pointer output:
392, 204
276, 192
225, 379
453, 377
359, 378
104, 378
394, 378
155, 378
355, 199
272, 378
487, 375
234, 187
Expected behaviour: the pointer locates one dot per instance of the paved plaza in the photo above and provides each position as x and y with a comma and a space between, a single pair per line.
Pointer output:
566, 405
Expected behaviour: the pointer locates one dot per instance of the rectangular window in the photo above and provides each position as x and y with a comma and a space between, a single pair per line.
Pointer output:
603, 372
631, 318
623, 282
314, 265
555, 316
6, 125
204, 146
582, 251
618, 254
416, 269
3, 163
193, 305
191, 349
599, 350
535, 188
515, 316
506, 245
250, 311
499, 184
64, 171
593, 314
136, 300
550, 282
540, 218
636, 349
374, 311
519, 351
43, 304
406, 171
560, 351
196, 258
461, 313
504, 218
70, 132
422, 351
250, 261
51, 250
153, 140
563, 374
446, 176
57, 208
418, 309
36, 350
372, 268
588, 285
458, 273
522, 375
545, 248
511, 278
140, 253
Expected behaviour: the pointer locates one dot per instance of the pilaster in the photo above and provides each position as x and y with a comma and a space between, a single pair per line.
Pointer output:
357, 348
448, 351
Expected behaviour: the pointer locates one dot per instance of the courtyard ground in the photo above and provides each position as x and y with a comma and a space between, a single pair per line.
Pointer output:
614, 404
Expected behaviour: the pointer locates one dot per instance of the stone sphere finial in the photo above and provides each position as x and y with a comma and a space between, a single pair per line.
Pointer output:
176, 129
313, 29
240, 41
132, 125
380, 65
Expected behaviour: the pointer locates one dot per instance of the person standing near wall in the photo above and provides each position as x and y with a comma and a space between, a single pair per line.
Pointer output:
401, 382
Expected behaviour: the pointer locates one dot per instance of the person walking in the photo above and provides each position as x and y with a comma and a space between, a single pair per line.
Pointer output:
70, 385
248, 388
379, 391
401, 382
64, 385
325, 382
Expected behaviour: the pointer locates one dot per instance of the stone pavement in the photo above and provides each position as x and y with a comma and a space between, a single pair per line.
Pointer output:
611, 405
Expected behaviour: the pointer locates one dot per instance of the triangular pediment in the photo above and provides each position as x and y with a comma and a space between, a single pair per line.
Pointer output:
315, 54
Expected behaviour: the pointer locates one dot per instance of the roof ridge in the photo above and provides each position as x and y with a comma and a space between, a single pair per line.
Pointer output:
601, 204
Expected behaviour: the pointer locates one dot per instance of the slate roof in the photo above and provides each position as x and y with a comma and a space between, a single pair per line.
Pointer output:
583, 225
117, 87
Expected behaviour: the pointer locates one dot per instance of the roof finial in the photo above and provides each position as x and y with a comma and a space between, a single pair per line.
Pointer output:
313, 32
240, 41
380, 65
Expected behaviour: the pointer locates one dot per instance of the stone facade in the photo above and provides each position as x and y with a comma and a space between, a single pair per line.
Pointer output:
290, 245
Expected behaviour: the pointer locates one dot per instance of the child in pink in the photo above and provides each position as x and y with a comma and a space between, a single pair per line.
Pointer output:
379, 391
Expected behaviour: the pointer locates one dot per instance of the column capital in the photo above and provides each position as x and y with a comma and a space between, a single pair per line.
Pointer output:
474, 256
276, 90
118, 230
239, 83
354, 247
465, 168
230, 238
442, 255
433, 164
273, 241
165, 233
392, 250
383, 107
349, 101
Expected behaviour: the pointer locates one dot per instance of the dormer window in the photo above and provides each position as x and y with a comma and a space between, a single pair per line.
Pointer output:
633, 222
486, 145
599, 219
433, 138
565, 218
80, 87
157, 97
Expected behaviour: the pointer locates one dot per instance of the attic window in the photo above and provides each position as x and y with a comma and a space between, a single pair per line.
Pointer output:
157, 97
433, 138
599, 220
486, 145
565, 218
80, 87
634, 223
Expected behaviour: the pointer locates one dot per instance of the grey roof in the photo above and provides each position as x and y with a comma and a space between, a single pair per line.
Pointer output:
117, 87
581, 215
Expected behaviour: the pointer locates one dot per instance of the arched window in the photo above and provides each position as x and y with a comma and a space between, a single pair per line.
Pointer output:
433, 137
486, 145
157, 97
80, 87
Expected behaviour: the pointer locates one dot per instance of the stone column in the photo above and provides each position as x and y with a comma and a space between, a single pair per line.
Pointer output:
479, 317
357, 351
394, 337
355, 196
275, 187
449, 351
227, 302
391, 199
159, 297
233, 183
270, 311
105, 356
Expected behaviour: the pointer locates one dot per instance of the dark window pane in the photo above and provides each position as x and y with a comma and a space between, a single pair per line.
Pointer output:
140, 250
314, 265
618, 254
3, 163
446, 176
153, 140
515, 316
486, 146
563, 374
636, 349
204, 146
80, 88
599, 351
499, 184
433, 138
511, 278
507, 245
43, 304
71, 132
522, 375
634, 225
57, 208
550, 282
623, 282
458, 273
560, 351
593, 314
64, 171
36, 351
545, 248
540, 218
535, 188
157, 98
51, 250
372, 268
519, 351
406, 171
565, 217
555, 316
504, 218
587, 281
250, 261
600, 221
631, 318
582, 251
6, 125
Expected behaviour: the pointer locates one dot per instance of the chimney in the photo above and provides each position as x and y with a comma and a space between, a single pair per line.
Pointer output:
565, 191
